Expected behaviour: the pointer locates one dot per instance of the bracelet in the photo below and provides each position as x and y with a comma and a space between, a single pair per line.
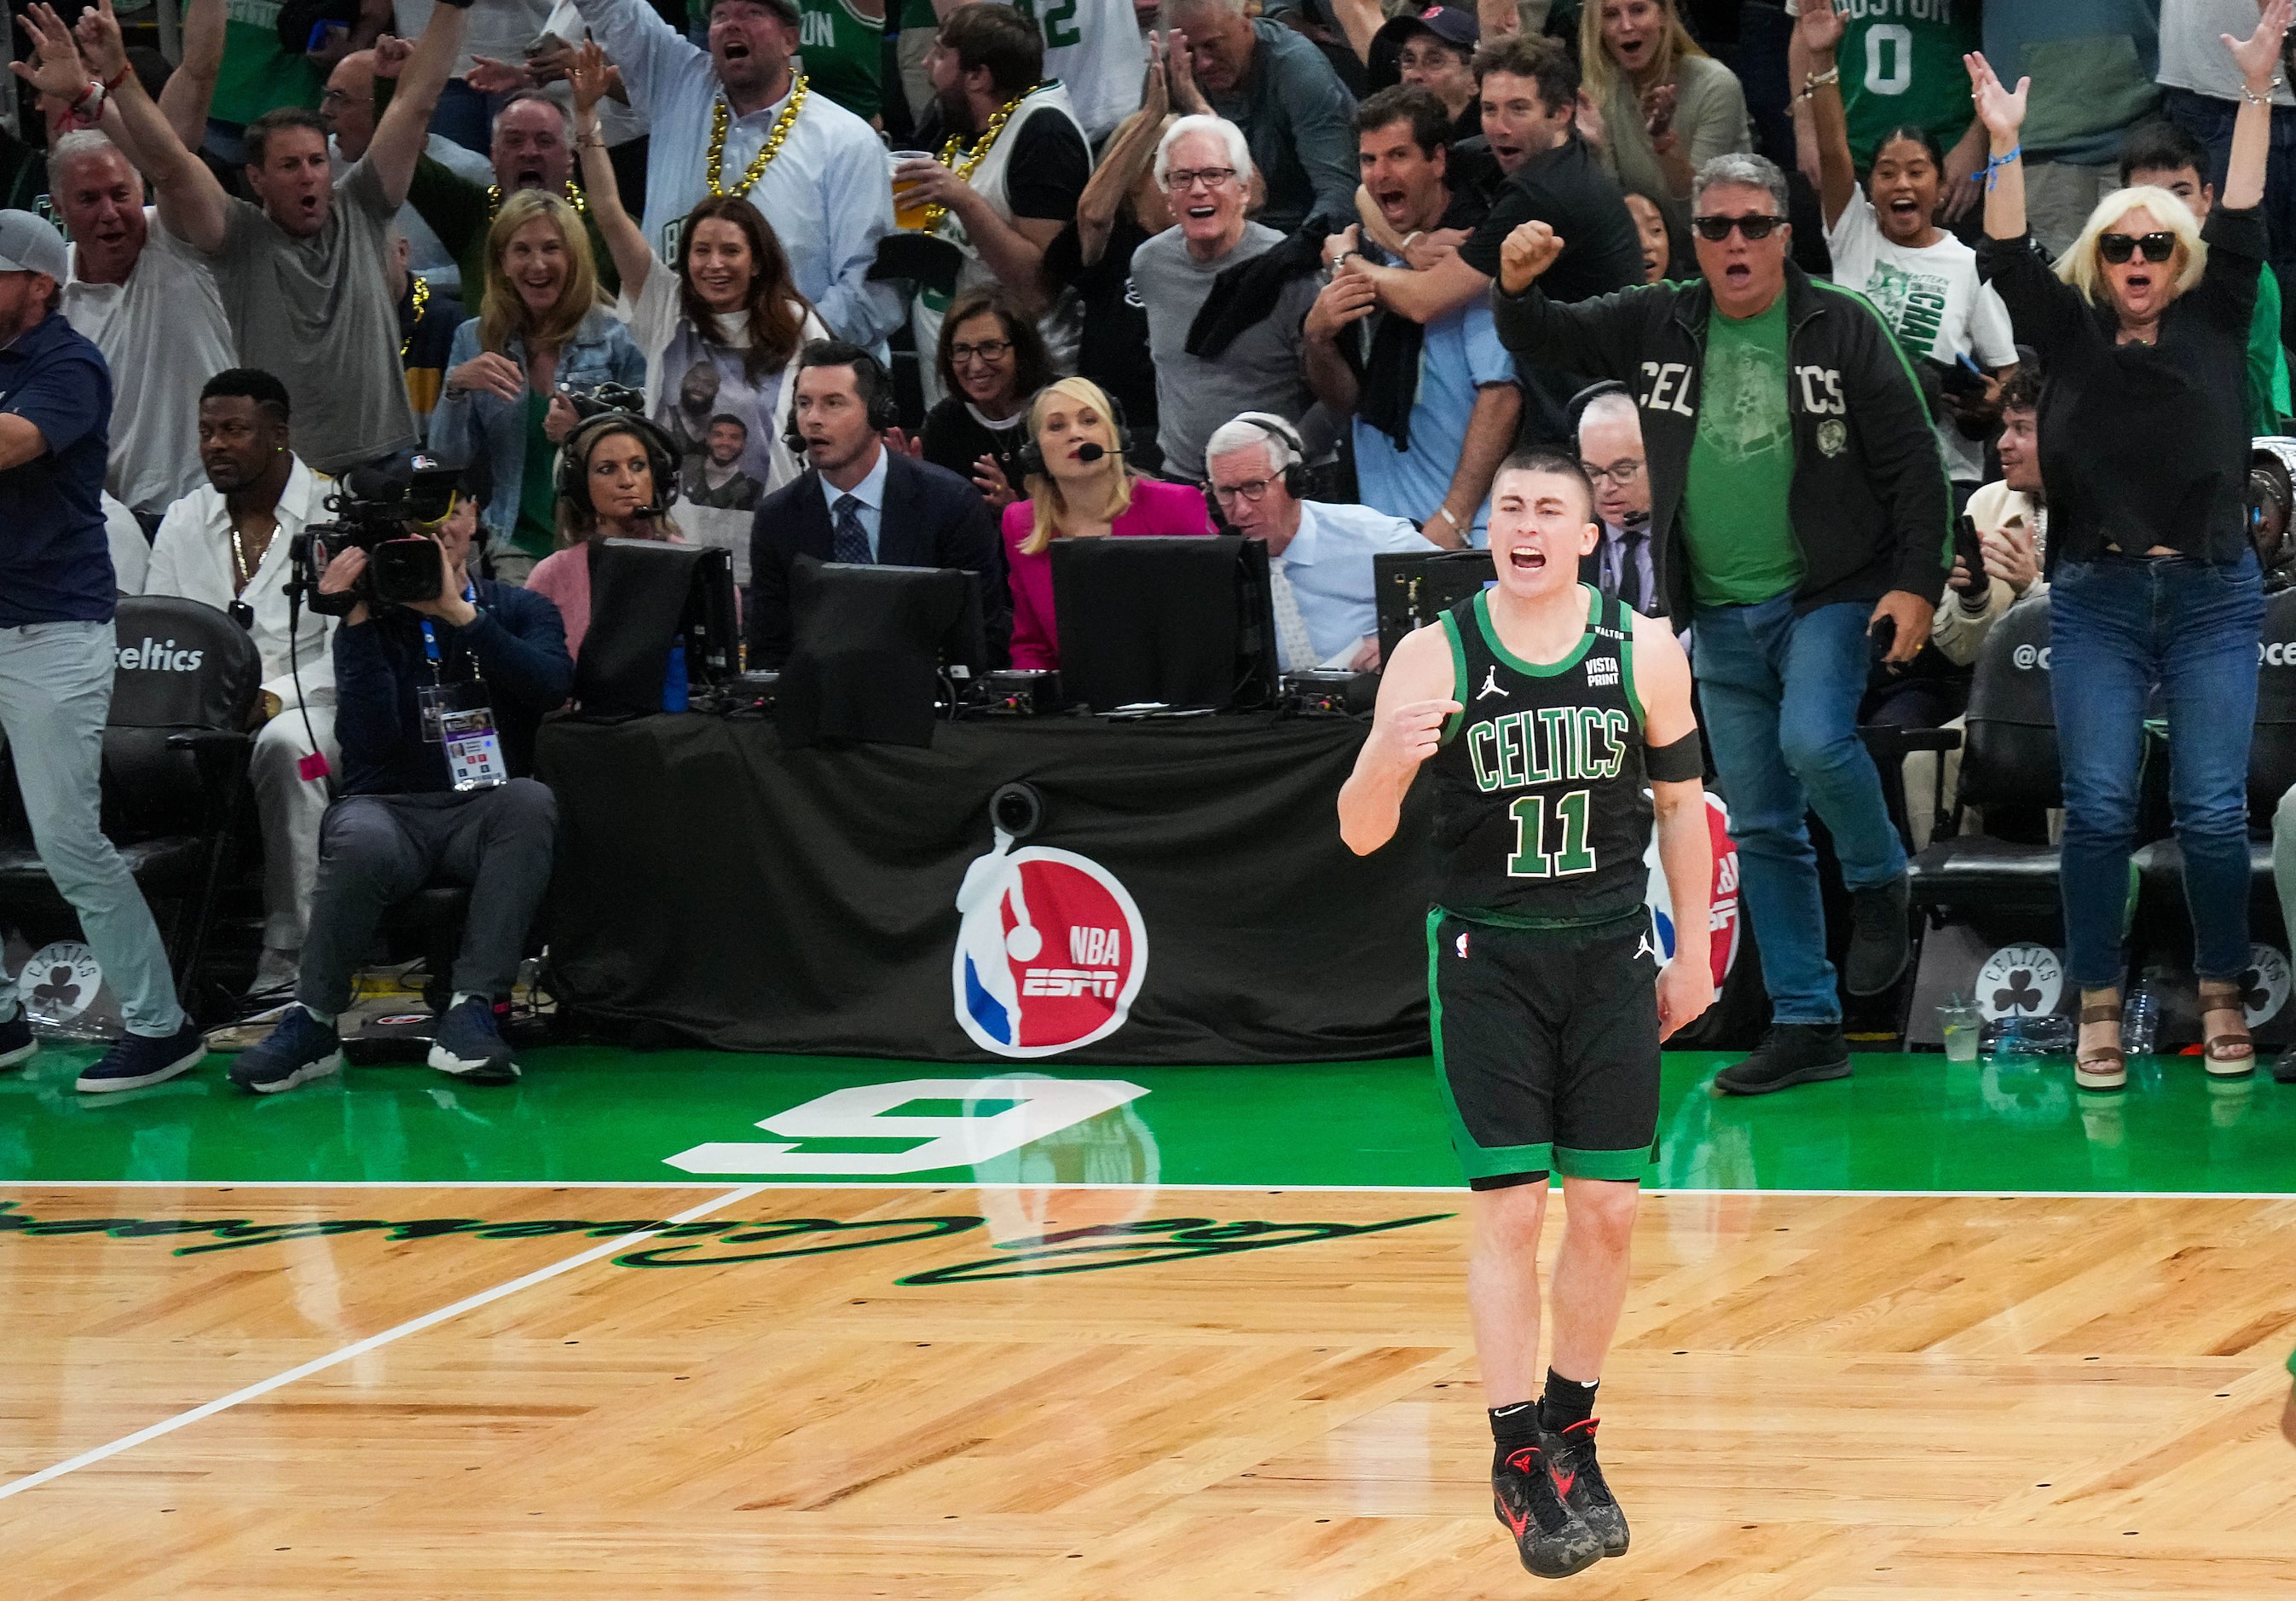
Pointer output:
2270, 89
1993, 165
1813, 82
112, 85
1447, 517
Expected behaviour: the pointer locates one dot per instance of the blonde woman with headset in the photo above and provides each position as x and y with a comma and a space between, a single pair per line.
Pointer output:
1077, 485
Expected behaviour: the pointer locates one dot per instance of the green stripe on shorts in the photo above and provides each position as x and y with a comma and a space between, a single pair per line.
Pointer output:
1478, 1162
1625, 1165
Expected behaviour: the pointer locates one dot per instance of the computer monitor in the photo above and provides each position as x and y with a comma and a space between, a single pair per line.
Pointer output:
644, 595
875, 650
1414, 589
1185, 623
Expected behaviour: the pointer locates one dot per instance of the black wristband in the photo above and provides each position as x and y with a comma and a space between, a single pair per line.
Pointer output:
1678, 763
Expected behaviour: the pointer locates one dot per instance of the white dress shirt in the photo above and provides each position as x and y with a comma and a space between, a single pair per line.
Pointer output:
870, 492
191, 557
1329, 564
828, 194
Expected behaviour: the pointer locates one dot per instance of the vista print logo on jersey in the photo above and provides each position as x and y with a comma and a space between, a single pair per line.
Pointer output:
1050, 951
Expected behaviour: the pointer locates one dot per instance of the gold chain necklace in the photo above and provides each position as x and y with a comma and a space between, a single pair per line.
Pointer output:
981, 148
574, 198
421, 304
243, 570
721, 117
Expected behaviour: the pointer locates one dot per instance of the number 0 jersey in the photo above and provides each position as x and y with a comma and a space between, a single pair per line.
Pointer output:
1543, 815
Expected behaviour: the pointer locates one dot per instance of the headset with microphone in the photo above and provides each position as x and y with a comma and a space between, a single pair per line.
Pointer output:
1030, 457
663, 455
870, 375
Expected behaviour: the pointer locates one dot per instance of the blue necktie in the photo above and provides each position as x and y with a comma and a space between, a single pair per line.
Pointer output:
849, 542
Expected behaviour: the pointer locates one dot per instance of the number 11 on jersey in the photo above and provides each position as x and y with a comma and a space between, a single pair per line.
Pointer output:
1531, 859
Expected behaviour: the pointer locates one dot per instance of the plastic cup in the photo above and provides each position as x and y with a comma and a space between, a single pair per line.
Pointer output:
909, 207
1959, 1024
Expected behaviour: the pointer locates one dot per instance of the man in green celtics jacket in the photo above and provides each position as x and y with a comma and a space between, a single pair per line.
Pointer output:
1804, 517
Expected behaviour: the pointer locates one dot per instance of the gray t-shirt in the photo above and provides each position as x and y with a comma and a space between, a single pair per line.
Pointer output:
1259, 371
317, 313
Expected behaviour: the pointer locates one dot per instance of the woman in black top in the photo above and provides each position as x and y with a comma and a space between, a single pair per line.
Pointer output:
2142, 332
992, 360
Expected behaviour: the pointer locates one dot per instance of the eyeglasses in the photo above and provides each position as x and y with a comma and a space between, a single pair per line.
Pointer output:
1210, 178
1250, 490
1621, 472
988, 350
1714, 230
2116, 247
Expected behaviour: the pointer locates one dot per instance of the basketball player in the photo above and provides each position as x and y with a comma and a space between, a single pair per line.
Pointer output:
1556, 722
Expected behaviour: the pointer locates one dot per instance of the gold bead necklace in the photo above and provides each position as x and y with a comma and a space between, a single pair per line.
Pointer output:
981, 148
721, 117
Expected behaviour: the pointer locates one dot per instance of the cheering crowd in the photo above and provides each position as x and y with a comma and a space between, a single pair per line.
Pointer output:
1798, 291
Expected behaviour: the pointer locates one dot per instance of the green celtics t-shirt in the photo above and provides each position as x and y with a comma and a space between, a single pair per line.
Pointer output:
1900, 62
257, 76
1735, 516
536, 532
844, 53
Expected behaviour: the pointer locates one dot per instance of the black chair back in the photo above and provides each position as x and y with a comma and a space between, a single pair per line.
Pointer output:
2272, 750
2009, 749
183, 667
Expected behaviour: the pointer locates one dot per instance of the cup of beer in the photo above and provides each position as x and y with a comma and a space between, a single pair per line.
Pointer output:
909, 206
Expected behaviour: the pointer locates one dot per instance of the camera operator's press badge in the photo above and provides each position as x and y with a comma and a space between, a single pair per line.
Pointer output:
459, 716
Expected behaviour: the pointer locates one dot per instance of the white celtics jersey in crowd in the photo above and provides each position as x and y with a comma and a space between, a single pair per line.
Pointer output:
1094, 47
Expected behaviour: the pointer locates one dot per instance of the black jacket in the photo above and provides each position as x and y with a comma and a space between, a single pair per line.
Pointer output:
517, 644
1870, 505
932, 518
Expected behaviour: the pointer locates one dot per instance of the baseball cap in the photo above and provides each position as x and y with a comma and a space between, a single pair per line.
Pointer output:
785, 9
1449, 23
31, 244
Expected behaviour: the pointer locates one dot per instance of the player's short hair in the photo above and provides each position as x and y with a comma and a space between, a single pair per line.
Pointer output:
1552, 459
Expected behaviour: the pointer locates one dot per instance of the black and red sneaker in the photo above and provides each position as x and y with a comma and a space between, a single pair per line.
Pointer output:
1579, 1480
1553, 1541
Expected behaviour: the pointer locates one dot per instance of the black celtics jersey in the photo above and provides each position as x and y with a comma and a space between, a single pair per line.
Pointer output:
1542, 812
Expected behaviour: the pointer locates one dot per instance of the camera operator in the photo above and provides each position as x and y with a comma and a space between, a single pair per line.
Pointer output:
437, 704
58, 653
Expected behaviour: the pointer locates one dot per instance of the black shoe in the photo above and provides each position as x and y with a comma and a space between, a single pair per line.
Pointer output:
1578, 1477
1789, 1053
470, 1046
17, 1046
2284, 1068
1552, 1540
1879, 941
135, 1061
298, 1049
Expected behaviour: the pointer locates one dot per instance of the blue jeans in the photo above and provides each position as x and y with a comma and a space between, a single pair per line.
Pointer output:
2117, 628
1780, 693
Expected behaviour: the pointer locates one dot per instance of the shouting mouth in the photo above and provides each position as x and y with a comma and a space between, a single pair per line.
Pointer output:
1202, 213
1526, 558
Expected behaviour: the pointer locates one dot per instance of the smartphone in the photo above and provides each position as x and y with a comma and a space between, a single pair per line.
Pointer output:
1881, 638
1970, 547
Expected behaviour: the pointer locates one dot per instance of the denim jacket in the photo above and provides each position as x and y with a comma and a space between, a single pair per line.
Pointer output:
471, 427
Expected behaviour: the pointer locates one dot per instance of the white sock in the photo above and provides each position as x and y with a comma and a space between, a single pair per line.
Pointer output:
315, 1016
463, 995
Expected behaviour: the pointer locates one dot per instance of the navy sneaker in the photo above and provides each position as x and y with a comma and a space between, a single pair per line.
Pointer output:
298, 1050
471, 1047
17, 1046
135, 1062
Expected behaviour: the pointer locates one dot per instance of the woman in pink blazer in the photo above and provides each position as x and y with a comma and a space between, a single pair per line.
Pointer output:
1086, 490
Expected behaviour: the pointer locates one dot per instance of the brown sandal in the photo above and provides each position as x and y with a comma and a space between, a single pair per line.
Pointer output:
2100, 1066
2225, 1055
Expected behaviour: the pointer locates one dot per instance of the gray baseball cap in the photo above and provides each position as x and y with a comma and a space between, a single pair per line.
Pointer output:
31, 244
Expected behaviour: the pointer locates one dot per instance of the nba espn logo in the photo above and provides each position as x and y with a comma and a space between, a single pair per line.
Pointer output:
1050, 951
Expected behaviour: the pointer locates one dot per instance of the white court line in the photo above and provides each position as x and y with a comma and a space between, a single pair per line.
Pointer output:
16, 1185
360, 1348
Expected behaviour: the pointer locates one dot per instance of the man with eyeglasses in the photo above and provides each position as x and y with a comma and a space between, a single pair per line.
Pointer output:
347, 106
1803, 522
1625, 564
1253, 363
1276, 85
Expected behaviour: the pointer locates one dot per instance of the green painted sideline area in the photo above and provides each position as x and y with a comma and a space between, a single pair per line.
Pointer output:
591, 1114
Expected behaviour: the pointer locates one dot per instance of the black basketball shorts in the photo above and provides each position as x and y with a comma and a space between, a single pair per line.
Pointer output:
1547, 1046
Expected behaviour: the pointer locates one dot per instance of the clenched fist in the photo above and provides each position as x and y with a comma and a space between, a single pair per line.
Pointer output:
1530, 251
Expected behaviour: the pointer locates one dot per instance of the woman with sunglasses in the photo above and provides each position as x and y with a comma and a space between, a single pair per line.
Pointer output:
2141, 330
992, 360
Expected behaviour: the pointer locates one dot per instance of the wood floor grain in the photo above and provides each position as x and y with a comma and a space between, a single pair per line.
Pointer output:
1812, 1398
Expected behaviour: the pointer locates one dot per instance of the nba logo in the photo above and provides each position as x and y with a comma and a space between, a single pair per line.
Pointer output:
1050, 951
1722, 920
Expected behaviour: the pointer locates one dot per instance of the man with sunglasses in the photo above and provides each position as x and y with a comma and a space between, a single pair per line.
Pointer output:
227, 545
1803, 521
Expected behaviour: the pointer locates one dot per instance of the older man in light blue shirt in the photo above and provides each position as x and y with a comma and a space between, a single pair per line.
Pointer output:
826, 189
1319, 555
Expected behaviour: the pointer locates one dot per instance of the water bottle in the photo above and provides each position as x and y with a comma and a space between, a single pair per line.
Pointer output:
672, 679
2140, 1020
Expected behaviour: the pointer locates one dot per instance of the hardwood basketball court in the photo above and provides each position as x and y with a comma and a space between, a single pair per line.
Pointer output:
947, 1391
